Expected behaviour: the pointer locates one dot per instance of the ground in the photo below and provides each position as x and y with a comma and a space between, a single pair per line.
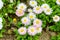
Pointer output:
44, 36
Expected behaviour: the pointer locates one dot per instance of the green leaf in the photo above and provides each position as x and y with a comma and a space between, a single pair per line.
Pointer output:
1, 35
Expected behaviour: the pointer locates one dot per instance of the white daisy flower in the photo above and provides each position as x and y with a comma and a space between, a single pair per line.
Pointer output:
30, 10
39, 29
31, 16
48, 11
45, 6
22, 6
19, 12
33, 3
37, 9
25, 20
37, 22
58, 2
1, 25
56, 18
22, 30
32, 31
0, 20
1, 4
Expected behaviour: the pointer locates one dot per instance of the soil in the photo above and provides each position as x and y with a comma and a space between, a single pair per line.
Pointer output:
44, 36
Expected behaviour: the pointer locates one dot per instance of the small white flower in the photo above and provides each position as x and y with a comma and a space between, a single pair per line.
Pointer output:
22, 30
39, 29
19, 12
1, 4
33, 3
56, 18
0, 20
22, 6
11, 1
48, 11
37, 9
30, 10
58, 2
25, 20
45, 6
37, 22
32, 31
31, 16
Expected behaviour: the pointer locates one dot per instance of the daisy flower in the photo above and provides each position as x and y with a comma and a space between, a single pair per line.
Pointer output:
31, 31
22, 6
37, 22
33, 3
39, 29
56, 18
45, 6
31, 16
58, 2
22, 30
1, 25
37, 10
19, 13
25, 20
30, 10
48, 11
1, 4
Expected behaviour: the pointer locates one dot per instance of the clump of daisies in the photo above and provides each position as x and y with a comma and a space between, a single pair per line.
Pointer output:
46, 8
1, 4
21, 8
1, 25
34, 24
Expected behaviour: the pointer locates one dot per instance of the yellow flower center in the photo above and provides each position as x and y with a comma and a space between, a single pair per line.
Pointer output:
33, 2
37, 8
58, 0
20, 11
37, 28
21, 7
22, 30
56, 17
25, 20
37, 21
48, 10
30, 10
32, 29
31, 16
45, 7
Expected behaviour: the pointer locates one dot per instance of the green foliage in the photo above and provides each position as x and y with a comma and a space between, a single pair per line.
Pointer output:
55, 27
10, 9
57, 37
53, 38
